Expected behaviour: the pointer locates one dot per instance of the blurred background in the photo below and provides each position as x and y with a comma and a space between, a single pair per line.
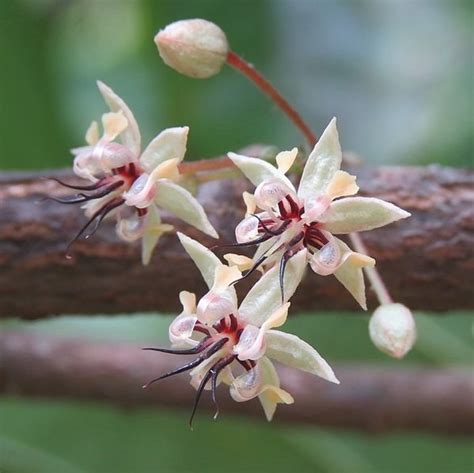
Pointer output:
396, 73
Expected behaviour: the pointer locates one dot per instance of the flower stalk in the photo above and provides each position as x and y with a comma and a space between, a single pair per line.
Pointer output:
249, 71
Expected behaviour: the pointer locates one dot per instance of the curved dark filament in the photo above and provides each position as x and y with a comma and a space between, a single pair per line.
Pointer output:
91, 187
243, 245
215, 370
81, 197
189, 351
284, 260
203, 356
264, 226
251, 270
99, 215
108, 208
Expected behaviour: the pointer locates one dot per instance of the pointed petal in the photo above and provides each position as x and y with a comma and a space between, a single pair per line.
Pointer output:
181, 203
356, 214
292, 351
207, 263
265, 298
350, 274
321, 165
257, 170
153, 231
205, 260
92, 134
131, 136
113, 123
169, 144
285, 160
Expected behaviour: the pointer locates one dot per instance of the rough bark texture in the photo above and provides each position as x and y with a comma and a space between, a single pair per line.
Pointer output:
373, 399
425, 259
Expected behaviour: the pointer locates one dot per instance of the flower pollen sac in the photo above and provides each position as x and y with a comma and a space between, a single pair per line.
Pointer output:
129, 184
196, 48
235, 344
290, 220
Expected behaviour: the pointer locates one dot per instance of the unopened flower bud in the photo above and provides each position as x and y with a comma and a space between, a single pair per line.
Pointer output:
392, 329
196, 48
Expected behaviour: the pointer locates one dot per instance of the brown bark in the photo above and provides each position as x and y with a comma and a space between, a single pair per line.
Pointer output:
368, 398
425, 259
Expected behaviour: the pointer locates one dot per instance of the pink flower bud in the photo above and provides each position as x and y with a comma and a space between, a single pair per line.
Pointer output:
392, 329
196, 48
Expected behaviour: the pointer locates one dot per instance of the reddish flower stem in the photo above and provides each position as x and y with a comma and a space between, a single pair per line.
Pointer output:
264, 85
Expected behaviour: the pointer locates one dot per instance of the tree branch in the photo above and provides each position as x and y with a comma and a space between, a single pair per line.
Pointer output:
424, 259
372, 399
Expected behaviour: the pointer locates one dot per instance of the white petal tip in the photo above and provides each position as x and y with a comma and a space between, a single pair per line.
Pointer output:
212, 232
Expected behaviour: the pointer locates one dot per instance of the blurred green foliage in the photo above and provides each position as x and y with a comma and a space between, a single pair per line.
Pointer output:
398, 75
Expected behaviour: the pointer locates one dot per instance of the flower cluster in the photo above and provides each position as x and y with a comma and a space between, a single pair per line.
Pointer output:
235, 343
130, 184
305, 220
291, 227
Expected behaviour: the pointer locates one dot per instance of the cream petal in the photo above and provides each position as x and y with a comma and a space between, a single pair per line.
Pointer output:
350, 274
86, 165
242, 262
92, 134
131, 136
316, 207
169, 144
113, 123
207, 263
225, 276
269, 378
343, 184
181, 203
251, 344
112, 155
292, 351
257, 170
264, 298
131, 228
247, 385
247, 230
321, 165
328, 259
216, 305
181, 330
188, 301
249, 201
356, 214
285, 160
152, 233
205, 260
269, 193
142, 192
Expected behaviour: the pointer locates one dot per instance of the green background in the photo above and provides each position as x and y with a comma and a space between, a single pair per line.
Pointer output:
397, 74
